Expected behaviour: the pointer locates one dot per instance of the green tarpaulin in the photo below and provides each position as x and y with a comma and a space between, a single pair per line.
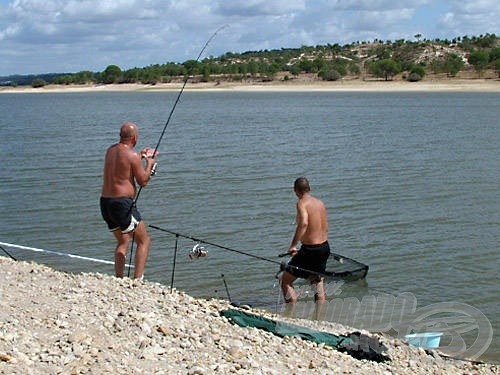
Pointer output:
358, 345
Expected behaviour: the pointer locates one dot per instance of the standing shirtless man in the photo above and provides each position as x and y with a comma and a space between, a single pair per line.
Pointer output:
312, 233
122, 169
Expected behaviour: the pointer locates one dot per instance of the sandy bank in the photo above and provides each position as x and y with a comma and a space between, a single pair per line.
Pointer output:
58, 323
437, 85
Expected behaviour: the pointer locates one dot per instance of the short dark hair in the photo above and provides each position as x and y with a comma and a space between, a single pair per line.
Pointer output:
301, 185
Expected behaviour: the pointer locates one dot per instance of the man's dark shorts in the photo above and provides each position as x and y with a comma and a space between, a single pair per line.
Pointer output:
310, 258
120, 213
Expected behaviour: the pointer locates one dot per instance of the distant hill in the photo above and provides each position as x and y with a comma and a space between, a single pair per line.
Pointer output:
26, 80
389, 59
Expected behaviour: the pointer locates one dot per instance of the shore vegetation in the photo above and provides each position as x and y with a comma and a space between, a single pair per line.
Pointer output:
465, 57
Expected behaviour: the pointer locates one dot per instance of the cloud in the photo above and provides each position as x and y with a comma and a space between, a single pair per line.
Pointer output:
471, 18
40, 36
258, 8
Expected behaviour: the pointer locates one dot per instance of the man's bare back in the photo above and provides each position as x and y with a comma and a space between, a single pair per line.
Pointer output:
122, 165
312, 211
118, 172
312, 222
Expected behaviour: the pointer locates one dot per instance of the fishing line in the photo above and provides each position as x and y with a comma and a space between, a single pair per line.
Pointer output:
57, 253
153, 171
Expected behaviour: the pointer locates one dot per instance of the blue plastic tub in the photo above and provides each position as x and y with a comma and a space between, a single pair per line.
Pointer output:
426, 340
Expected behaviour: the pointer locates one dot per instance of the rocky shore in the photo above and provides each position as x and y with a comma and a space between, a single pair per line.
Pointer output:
58, 323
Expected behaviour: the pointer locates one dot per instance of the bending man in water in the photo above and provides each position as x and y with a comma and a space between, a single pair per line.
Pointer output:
122, 169
312, 233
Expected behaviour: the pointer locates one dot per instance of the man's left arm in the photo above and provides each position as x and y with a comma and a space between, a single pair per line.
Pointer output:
302, 223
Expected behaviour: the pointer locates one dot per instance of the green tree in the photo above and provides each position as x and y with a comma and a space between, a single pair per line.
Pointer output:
307, 66
132, 75
64, 80
295, 69
206, 73
192, 66
319, 63
496, 66
354, 69
112, 74
253, 68
494, 54
381, 52
453, 64
479, 59
83, 77
386, 69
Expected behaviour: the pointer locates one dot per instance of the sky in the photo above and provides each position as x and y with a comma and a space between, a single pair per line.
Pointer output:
58, 36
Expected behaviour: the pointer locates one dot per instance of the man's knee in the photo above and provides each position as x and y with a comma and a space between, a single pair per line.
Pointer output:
144, 241
141, 234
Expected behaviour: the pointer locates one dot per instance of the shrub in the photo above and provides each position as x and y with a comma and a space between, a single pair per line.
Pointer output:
38, 82
418, 70
330, 75
414, 77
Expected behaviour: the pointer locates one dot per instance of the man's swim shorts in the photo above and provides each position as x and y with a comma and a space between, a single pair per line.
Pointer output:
120, 213
309, 258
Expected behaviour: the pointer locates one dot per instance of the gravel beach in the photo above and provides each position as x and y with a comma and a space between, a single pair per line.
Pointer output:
58, 323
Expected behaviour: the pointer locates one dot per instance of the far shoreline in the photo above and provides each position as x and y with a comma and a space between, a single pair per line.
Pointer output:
354, 85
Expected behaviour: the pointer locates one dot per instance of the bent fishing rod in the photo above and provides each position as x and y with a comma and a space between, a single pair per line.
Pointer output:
186, 79
153, 171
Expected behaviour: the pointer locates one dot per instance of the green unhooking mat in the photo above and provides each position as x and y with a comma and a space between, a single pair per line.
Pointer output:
358, 345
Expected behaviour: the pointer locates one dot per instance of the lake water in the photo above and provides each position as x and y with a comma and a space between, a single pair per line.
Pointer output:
411, 182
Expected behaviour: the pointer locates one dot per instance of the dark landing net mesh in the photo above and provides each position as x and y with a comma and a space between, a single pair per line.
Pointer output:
339, 267
343, 268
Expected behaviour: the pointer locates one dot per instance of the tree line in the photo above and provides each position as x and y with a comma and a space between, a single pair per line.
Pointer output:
380, 59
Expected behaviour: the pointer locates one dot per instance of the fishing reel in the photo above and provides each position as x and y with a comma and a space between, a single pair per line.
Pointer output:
153, 170
197, 251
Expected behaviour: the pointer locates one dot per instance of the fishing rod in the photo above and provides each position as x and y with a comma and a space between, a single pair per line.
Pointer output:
215, 245
186, 79
153, 170
6, 252
225, 286
234, 303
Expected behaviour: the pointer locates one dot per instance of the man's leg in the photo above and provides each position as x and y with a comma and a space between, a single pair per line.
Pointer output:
141, 255
120, 251
286, 286
319, 296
